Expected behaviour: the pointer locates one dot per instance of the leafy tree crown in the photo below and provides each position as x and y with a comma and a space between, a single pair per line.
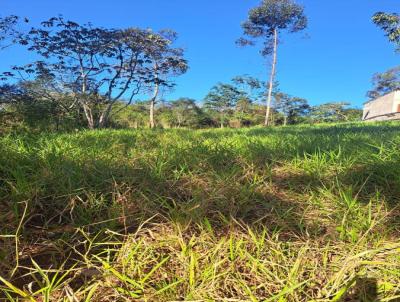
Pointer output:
271, 16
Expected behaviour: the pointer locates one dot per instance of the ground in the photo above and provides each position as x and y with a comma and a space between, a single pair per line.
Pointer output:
305, 213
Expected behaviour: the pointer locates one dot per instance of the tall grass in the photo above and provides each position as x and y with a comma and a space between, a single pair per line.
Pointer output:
279, 214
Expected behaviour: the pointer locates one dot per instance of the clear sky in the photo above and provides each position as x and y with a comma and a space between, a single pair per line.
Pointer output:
333, 60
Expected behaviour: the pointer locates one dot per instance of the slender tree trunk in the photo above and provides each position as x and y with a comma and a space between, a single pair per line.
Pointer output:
86, 109
154, 98
285, 120
104, 117
152, 124
152, 106
222, 120
241, 119
272, 77
88, 115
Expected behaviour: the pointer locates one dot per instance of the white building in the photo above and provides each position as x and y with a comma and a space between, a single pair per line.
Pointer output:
384, 108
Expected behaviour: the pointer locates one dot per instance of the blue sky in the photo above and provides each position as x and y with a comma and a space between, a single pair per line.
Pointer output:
333, 60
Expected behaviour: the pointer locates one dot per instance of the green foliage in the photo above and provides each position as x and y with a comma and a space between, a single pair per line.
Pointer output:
292, 108
251, 87
131, 116
97, 67
334, 112
185, 112
271, 16
385, 83
390, 24
222, 99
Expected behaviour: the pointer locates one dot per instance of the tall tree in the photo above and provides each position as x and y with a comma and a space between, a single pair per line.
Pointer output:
242, 109
168, 63
267, 22
330, 112
98, 67
185, 111
252, 90
385, 83
292, 108
221, 99
390, 24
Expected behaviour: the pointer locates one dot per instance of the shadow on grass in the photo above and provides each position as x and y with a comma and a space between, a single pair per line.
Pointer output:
365, 290
99, 194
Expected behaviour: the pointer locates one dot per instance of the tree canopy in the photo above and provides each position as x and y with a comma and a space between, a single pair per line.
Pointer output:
221, 99
385, 83
8, 31
271, 16
292, 108
99, 66
390, 24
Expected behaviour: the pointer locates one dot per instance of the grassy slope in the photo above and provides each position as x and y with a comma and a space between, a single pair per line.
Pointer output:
286, 214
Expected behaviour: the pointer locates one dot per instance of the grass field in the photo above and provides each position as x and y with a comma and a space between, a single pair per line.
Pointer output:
307, 213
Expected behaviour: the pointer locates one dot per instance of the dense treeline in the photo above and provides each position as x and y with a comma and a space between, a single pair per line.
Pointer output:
214, 111
234, 105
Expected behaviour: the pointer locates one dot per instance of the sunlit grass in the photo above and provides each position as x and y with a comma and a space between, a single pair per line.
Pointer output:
279, 214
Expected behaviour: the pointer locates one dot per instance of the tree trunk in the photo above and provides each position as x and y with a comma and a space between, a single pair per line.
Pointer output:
272, 77
104, 117
152, 106
222, 120
285, 120
154, 98
89, 116
152, 124
86, 109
